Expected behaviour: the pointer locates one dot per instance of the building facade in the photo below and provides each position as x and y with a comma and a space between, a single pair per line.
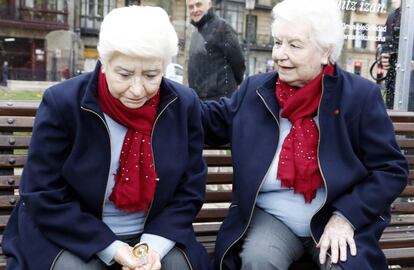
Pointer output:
24, 25
57, 39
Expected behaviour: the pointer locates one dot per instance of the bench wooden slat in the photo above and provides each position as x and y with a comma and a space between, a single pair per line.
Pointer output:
404, 128
16, 123
12, 161
14, 142
3, 222
399, 255
206, 229
402, 220
9, 182
402, 208
219, 177
399, 228
397, 116
408, 191
218, 196
397, 241
18, 108
410, 159
218, 160
211, 215
7, 202
405, 143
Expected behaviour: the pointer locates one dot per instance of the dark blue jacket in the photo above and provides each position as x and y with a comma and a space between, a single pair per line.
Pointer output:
64, 180
360, 161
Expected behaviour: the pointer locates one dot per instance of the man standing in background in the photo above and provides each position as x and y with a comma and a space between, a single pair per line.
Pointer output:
389, 56
216, 63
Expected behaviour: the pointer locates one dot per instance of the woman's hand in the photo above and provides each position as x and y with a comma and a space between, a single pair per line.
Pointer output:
337, 235
126, 258
153, 262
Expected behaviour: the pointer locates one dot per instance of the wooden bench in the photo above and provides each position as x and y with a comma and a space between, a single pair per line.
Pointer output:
16, 122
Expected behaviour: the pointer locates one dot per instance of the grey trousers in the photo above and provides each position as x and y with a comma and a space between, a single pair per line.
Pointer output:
174, 260
269, 245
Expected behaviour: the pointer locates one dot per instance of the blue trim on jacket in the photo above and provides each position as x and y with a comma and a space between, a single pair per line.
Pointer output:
64, 180
360, 161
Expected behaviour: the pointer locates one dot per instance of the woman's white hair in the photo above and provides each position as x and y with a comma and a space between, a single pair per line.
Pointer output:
322, 15
138, 31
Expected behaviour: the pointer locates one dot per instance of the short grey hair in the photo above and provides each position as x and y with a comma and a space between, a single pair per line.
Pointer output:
324, 18
138, 31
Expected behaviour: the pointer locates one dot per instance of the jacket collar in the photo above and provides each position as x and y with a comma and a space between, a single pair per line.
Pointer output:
332, 91
268, 92
90, 98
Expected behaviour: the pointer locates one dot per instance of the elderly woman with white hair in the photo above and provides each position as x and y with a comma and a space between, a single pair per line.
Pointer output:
316, 164
115, 175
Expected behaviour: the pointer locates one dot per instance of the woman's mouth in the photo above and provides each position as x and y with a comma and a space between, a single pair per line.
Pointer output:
285, 69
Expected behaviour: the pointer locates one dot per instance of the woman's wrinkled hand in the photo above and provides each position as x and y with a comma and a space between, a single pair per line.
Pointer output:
153, 262
338, 234
126, 258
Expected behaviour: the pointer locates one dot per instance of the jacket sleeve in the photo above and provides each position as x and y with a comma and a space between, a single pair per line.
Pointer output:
177, 217
386, 166
48, 198
234, 54
218, 116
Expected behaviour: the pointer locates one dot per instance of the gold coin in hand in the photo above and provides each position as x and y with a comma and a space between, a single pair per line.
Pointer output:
140, 250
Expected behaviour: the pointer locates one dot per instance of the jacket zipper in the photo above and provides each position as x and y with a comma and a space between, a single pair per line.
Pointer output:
257, 192
323, 177
55, 259
106, 185
109, 135
153, 154
153, 161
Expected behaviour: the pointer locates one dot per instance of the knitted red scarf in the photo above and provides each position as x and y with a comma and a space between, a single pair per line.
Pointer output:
298, 162
135, 180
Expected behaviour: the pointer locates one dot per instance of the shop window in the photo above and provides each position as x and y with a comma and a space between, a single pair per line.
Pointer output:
251, 28
92, 13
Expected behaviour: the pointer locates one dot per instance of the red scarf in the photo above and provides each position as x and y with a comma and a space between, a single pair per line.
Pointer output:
298, 162
135, 179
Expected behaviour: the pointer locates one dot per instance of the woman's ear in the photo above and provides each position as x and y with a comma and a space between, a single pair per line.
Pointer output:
325, 57
103, 70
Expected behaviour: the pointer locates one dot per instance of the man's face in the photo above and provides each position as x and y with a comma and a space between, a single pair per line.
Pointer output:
198, 8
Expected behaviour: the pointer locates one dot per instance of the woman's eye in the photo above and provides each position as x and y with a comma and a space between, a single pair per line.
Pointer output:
124, 76
150, 76
295, 45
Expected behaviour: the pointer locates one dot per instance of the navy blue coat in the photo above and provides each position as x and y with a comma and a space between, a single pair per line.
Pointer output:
64, 180
361, 164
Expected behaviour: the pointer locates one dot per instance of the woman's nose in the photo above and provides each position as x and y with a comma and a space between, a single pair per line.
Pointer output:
136, 87
279, 53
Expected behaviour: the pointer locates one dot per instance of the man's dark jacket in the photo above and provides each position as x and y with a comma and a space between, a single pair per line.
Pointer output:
361, 164
216, 63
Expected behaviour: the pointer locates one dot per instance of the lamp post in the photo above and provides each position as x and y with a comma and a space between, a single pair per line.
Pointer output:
250, 4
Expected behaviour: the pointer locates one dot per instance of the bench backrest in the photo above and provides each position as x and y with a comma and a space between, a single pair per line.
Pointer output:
16, 122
